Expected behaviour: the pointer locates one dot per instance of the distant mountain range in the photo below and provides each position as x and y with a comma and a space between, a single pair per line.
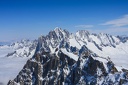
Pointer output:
64, 58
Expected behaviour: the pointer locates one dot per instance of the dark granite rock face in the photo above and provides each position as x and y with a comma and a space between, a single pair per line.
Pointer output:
50, 68
111, 67
60, 69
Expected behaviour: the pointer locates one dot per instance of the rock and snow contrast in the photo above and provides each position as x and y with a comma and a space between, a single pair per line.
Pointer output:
13, 57
83, 58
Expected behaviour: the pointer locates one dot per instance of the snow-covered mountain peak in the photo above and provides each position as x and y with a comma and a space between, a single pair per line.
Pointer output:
57, 28
103, 34
75, 59
23, 48
58, 31
82, 33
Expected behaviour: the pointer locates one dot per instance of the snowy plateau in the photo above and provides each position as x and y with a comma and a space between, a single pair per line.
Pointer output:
63, 58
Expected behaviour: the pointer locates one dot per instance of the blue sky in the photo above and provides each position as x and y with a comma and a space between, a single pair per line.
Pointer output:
30, 18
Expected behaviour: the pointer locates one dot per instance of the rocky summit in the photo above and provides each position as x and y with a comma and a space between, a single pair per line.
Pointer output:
62, 58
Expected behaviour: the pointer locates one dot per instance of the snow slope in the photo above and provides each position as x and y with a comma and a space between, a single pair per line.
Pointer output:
104, 45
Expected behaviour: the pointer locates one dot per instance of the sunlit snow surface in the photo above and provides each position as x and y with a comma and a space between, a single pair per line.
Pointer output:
119, 54
9, 66
71, 55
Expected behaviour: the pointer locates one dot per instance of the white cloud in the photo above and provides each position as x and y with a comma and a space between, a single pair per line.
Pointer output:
84, 26
117, 26
118, 22
113, 31
119, 30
